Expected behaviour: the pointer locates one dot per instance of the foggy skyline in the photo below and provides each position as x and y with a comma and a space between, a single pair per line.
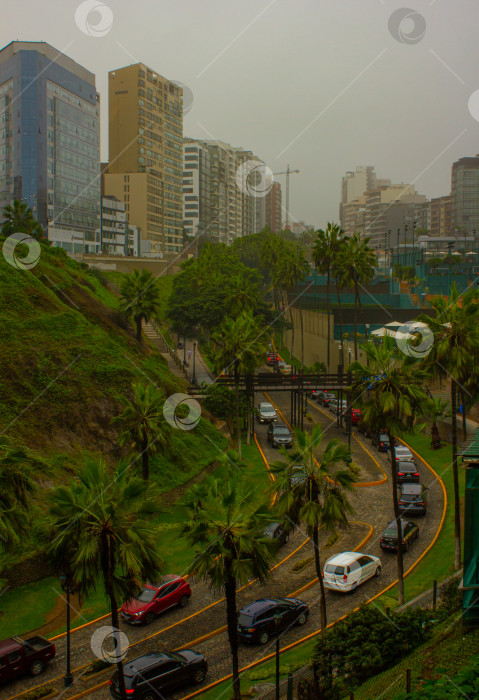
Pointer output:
321, 86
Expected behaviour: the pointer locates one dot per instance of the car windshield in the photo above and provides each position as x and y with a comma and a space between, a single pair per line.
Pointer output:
245, 620
282, 431
333, 569
411, 497
383, 437
266, 407
392, 531
406, 467
146, 595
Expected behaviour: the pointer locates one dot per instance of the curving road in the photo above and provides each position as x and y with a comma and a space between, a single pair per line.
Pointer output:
201, 625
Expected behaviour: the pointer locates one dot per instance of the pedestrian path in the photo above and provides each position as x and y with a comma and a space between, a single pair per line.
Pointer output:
197, 370
152, 333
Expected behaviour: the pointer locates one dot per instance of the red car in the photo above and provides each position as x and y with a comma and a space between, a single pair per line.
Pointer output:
272, 358
154, 599
355, 415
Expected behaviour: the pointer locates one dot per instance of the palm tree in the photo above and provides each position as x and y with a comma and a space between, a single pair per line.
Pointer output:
340, 280
436, 409
242, 294
16, 489
240, 344
293, 269
454, 354
356, 263
227, 531
392, 400
140, 298
102, 524
309, 491
18, 217
324, 252
142, 423
271, 253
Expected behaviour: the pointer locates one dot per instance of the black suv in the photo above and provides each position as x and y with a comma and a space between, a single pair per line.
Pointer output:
380, 441
412, 499
259, 620
407, 471
148, 676
279, 435
326, 398
389, 538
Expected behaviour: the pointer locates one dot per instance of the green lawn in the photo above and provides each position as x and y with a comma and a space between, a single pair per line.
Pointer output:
26, 607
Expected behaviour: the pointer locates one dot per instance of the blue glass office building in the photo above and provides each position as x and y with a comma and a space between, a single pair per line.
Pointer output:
50, 142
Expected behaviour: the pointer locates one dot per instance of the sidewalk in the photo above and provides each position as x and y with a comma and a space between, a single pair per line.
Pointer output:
197, 367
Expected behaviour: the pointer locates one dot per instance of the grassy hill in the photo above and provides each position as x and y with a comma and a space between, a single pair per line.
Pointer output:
68, 357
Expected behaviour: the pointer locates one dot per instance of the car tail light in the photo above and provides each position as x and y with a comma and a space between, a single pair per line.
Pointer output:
381, 444
111, 682
422, 503
416, 474
130, 691
400, 473
345, 578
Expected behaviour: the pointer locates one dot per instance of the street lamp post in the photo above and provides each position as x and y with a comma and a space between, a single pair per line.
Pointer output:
194, 364
68, 588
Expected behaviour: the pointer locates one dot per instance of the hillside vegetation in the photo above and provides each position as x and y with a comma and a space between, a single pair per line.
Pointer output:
68, 358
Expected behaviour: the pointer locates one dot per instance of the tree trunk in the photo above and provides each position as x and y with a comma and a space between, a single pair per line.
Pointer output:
356, 307
238, 425
138, 328
108, 560
302, 336
397, 517
328, 308
457, 508
248, 423
319, 574
231, 622
292, 329
341, 355
435, 437
464, 423
118, 653
145, 465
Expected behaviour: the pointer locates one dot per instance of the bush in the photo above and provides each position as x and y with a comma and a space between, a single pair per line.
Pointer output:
363, 644
464, 685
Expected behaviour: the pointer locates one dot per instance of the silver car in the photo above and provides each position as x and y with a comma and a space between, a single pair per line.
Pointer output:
404, 454
266, 413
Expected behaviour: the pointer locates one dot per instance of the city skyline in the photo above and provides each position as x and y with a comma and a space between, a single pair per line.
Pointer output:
260, 80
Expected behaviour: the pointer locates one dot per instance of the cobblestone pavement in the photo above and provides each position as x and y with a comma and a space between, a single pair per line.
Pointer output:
180, 628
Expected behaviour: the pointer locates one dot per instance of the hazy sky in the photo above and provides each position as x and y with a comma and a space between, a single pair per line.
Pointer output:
322, 85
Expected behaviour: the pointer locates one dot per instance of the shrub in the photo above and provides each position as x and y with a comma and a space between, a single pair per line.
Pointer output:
363, 644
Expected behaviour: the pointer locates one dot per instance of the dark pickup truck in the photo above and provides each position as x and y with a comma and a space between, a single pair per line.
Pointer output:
21, 656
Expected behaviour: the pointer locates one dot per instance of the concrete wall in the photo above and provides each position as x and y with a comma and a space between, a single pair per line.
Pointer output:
315, 327
157, 266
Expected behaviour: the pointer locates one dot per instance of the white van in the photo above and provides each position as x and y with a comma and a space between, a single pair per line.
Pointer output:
346, 571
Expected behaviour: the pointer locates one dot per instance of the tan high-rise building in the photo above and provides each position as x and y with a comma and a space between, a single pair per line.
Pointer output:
441, 216
146, 155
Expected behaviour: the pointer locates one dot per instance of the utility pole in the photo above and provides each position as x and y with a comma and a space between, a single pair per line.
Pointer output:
287, 172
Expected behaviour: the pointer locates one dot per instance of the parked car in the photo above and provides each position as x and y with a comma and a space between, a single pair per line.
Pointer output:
19, 657
407, 471
154, 599
272, 358
315, 394
277, 367
346, 571
325, 399
403, 454
279, 435
355, 416
263, 618
413, 499
389, 538
331, 405
339, 407
266, 412
147, 677
380, 440
277, 533
285, 369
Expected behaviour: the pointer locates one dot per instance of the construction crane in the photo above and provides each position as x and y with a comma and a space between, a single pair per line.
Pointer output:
287, 172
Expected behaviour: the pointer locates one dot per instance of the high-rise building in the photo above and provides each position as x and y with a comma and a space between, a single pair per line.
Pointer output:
441, 216
50, 142
354, 184
196, 188
393, 208
465, 195
273, 206
214, 202
146, 155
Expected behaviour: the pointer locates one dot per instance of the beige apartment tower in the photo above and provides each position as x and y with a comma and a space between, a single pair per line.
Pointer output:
146, 155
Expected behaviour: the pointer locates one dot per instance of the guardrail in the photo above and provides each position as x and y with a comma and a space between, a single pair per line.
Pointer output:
167, 348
